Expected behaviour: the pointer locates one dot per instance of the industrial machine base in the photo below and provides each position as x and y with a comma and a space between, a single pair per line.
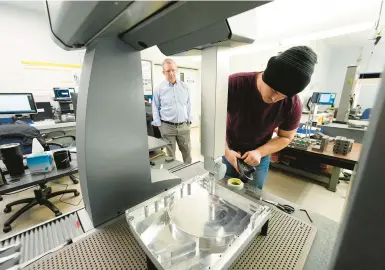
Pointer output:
113, 246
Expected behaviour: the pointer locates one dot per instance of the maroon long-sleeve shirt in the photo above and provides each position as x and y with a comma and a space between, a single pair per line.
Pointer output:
251, 121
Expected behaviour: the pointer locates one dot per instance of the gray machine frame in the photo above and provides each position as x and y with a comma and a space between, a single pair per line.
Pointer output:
348, 90
109, 174
113, 156
361, 239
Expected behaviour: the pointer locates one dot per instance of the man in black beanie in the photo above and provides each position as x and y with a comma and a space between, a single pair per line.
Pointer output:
259, 102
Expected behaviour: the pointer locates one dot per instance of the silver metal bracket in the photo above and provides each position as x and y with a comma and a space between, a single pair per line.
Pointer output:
216, 169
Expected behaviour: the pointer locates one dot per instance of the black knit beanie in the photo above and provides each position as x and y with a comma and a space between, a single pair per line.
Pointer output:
290, 72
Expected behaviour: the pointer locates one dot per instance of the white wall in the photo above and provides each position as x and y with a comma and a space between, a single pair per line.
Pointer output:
330, 70
288, 19
155, 55
335, 30
344, 56
24, 36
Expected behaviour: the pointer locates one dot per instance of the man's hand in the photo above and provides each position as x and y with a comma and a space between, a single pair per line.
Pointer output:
232, 157
252, 158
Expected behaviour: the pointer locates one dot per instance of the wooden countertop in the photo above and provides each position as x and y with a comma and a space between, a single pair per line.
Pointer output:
343, 126
354, 155
328, 157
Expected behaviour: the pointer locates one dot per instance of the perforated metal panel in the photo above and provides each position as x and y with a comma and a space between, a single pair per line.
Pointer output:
286, 247
110, 248
45, 237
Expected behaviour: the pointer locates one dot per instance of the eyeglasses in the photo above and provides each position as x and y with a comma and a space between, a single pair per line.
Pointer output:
170, 71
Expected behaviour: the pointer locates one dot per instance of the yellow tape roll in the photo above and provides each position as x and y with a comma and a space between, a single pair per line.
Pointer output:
235, 183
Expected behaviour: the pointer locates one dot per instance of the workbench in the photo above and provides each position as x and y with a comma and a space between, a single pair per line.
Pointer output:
326, 157
15, 183
336, 129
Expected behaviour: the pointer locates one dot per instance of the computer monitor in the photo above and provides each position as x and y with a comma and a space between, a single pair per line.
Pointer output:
323, 98
17, 103
326, 98
63, 93
44, 111
314, 97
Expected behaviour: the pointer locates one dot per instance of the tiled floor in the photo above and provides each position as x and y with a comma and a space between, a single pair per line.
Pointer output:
310, 195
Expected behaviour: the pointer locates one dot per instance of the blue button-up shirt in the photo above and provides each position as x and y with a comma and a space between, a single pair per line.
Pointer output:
171, 103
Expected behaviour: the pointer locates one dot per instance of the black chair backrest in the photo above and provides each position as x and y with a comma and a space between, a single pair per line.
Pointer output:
20, 133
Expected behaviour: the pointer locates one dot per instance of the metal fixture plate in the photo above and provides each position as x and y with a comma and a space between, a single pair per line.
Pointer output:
187, 228
286, 246
114, 247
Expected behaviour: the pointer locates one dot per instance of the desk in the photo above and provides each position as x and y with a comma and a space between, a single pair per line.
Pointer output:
327, 157
42, 195
334, 130
28, 180
49, 126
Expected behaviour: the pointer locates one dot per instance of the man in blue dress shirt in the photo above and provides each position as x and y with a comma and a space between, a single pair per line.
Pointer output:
171, 109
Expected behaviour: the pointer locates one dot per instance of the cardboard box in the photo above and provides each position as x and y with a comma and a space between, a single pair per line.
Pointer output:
40, 163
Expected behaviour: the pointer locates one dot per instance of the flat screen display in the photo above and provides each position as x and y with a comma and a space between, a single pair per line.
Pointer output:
17, 103
63, 93
326, 98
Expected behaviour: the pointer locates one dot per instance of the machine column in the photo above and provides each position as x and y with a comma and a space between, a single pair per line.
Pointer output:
347, 96
215, 73
111, 131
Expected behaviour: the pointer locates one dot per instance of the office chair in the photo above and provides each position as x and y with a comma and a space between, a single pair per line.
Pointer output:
57, 140
53, 134
366, 114
42, 196
43, 193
